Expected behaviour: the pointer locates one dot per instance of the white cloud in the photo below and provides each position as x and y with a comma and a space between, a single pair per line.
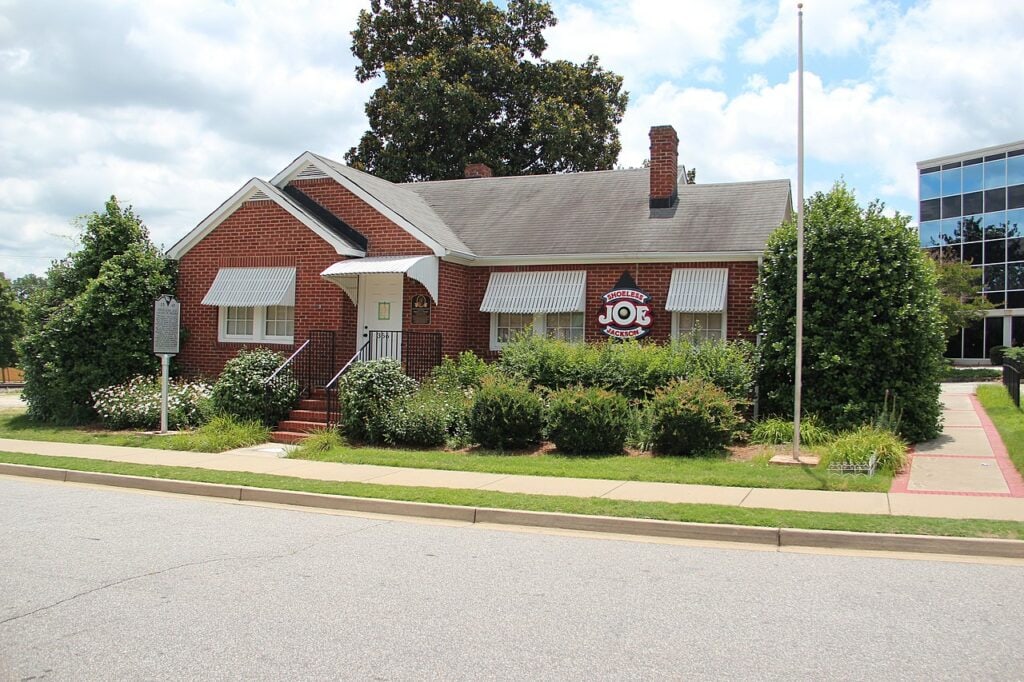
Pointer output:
645, 39
831, 27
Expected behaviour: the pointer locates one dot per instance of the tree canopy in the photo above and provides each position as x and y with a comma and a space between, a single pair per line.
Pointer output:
871, 317
961, 301
10, 323
91, 326
26, 285
465, 82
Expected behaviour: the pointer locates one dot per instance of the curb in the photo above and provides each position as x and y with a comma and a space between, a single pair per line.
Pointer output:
776, 537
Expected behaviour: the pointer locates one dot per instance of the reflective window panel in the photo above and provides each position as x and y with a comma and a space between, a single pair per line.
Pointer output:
995, 224
974, 203
970, 228
993, 333
951, 181
930, 186
995, 251
949, 231
1015, 249
995, 174
972, 253
974, 341
947, 254
996, 298
1015, 196
930, 233
995, 199
1015, 275
1015, 170
1017, 330
954, 345
995, 277
972, 176
951, 206
1015, 299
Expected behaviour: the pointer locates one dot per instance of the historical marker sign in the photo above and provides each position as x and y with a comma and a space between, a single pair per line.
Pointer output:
166, 325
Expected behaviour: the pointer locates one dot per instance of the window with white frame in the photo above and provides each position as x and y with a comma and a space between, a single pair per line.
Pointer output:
699, 326
564, 326
505, 327
260, 324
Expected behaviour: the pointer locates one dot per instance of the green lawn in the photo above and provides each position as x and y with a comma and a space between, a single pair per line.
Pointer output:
1009, 420
700, 513
215, 437
755, 473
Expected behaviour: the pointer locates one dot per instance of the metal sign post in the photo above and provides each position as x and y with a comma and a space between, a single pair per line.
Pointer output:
166, 342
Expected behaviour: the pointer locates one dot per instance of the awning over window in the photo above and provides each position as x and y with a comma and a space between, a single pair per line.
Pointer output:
697, 290
346, 273
535, 292
252, 287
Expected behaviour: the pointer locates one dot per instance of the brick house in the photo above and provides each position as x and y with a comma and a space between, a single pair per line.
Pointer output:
419, 270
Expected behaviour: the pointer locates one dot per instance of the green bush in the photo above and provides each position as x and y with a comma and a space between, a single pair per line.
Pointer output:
1016, 354
690, 417
872, 321
856, 447
996, 354
136, 403
776, 431
243, 391
588, 420
222, 433
505, 415
422, 420
463, 372
631, 368
91, 327
367, 396
958, 375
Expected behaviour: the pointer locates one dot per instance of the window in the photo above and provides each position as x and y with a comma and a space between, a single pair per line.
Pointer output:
238, 321
701, 326
563, 326
262, 324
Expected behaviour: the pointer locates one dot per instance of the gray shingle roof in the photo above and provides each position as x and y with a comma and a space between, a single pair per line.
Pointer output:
603, 212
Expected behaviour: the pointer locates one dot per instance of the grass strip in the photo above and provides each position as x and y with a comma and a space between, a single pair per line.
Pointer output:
700, 513
756, 473
1008, 418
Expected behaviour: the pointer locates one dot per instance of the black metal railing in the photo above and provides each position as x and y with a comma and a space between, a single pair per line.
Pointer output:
311, 365
1011, 379
419, 353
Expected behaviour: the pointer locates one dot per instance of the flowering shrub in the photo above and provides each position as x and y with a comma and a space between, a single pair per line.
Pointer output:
244, 389
431, 417
367, 395
136, 403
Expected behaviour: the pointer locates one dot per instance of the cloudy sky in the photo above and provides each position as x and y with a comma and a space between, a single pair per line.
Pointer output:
172, 105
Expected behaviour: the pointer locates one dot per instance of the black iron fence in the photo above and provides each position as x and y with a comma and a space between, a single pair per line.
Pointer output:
1011, 379
419, 353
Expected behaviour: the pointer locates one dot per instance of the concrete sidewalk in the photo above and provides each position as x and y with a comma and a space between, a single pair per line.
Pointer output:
967, 459
264, 460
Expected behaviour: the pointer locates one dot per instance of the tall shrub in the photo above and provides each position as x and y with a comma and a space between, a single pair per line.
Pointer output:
871, 317
243, 389
91, 326
367, 396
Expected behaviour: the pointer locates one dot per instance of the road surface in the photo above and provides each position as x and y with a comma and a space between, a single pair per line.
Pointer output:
102, 583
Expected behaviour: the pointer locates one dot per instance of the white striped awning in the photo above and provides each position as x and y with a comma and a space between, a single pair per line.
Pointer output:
252, 287
535, 292
697, 290
346, 273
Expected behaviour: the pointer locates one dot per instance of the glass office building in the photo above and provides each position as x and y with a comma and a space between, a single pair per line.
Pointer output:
972, 210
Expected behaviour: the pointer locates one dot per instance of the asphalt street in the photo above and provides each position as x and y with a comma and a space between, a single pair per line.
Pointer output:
110, 584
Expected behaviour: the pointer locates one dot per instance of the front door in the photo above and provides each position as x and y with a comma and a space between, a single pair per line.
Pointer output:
380, 311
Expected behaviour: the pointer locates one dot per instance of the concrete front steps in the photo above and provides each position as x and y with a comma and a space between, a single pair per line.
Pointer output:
309, 416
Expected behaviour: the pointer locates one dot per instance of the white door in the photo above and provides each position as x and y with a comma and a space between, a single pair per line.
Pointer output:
380, 310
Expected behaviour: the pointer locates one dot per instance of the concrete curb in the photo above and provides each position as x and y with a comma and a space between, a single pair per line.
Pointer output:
776, 537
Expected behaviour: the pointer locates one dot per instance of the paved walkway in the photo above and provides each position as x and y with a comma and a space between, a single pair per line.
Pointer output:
267, 460
968, 459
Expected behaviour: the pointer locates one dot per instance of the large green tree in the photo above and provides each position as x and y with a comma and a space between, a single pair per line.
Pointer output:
90, 327
872, 321
961, 301
465, 82
10, 323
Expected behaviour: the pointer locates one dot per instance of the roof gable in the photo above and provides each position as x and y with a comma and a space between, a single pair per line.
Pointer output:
259, 190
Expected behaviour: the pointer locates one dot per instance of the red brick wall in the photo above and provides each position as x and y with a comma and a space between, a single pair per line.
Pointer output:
664, 169
262, 234
385, 237
259, 234
651, 277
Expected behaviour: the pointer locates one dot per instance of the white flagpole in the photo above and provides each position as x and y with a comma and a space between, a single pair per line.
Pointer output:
799, 232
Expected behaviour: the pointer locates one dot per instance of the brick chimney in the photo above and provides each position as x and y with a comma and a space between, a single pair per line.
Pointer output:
664, 166
478, 170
